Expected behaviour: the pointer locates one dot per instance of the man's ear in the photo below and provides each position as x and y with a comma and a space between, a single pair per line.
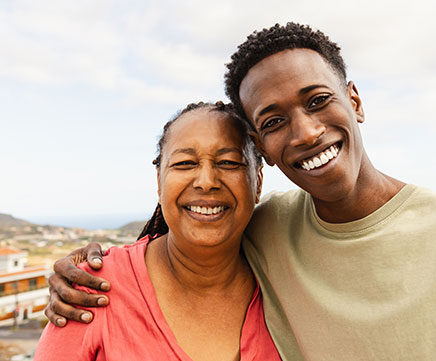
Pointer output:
259, 184
255, 137
356, 102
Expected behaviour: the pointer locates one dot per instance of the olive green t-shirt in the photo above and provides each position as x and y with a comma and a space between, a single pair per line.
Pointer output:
363, 290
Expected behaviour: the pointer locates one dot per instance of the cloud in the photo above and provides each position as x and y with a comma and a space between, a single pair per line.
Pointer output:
91, 82
174, 47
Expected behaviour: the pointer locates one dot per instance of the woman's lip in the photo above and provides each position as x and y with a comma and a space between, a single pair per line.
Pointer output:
206, 217
206, 203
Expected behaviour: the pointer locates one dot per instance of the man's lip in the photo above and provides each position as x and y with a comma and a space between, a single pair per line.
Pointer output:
313, 152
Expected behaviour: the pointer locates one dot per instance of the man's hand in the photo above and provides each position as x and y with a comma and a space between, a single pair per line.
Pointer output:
62, 294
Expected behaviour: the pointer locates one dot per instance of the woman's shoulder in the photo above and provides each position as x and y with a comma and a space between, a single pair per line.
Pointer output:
118, 264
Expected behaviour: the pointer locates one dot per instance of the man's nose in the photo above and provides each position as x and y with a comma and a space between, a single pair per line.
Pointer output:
305, 129
206, 177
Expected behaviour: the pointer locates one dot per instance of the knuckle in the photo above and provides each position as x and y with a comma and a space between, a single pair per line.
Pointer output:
88, 301
59, 265
63, 293
53, 280
73, 314
94, 247
74, 275
52, 307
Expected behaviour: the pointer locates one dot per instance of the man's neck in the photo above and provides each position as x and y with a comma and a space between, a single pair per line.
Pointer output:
369, 195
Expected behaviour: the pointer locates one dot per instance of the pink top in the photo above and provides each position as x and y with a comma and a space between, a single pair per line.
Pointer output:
132, 327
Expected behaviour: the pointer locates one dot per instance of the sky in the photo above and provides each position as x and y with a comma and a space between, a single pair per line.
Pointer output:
86, 86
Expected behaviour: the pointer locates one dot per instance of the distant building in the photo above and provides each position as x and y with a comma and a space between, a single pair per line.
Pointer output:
23, 290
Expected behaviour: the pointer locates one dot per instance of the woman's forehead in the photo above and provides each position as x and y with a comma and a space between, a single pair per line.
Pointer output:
205, 126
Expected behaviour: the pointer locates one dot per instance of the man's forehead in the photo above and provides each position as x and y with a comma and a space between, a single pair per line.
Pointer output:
290, 68
298, 61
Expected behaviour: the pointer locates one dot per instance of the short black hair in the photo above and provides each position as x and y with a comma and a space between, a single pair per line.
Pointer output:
262, 44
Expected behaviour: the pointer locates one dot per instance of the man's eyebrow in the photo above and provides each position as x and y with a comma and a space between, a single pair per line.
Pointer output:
302, 91
264, 111
307, 89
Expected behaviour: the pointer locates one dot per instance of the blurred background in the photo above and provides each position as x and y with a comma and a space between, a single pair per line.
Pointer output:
86, 86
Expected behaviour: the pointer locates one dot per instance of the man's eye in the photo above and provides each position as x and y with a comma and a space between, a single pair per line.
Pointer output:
319, 100
185, 164
229, 164
271, 123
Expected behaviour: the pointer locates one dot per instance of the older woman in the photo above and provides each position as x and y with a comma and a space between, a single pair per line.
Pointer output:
188, 294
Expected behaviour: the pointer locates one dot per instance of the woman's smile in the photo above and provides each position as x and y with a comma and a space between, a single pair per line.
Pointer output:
207, 186
207, 214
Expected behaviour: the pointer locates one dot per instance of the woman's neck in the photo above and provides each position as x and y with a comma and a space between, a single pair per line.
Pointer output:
202, 270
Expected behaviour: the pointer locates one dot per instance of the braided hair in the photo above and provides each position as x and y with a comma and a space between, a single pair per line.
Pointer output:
260, 45
157, 225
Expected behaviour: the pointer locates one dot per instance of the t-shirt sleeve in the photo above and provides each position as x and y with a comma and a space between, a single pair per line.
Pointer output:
75, 341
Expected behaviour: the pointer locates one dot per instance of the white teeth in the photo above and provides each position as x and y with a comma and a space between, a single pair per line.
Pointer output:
324, 159
321, 158
206, 210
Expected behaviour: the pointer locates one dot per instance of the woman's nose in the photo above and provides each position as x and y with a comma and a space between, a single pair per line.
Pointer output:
206, 178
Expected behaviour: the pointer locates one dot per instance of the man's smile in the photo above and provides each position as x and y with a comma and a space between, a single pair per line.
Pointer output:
321, 158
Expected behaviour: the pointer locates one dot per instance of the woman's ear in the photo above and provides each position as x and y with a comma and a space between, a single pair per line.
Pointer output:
259, 184
158, 184
255, 137
356, 102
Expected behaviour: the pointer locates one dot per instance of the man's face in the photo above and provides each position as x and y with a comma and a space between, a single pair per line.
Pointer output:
306, 121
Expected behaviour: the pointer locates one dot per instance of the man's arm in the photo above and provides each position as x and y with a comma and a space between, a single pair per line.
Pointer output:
62, 294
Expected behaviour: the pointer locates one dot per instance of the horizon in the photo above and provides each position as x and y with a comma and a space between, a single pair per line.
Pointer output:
87, 86
90, 222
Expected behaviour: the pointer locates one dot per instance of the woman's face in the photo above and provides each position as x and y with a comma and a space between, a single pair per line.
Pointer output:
207, 187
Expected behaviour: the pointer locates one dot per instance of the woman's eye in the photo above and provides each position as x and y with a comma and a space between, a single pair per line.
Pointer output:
271, 123
185, 164
229, 164
319, 100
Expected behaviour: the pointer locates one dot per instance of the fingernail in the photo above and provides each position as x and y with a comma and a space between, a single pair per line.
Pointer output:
105, 286
85, 317
97, 260
60, 322
102, 301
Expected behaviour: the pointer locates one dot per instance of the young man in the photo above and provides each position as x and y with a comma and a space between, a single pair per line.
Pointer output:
346, 264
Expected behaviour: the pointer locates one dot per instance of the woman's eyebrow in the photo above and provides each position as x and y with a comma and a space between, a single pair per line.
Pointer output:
228, 150
190, 151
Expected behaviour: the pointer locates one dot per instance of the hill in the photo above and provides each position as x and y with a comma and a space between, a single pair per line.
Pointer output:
6, 220
133, 227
